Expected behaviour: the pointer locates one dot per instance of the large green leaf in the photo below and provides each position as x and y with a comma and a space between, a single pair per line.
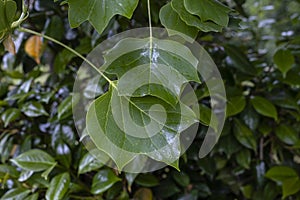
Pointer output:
209, 10
264, 107
284, 60
161, 71
112, 118
99, 12
192, 20
103, 180
244, 135
171, 20
8, 10
34, 160
59, 185
281, 173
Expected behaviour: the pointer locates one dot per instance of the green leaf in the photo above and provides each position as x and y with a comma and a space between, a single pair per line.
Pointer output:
244, 135
264, 107
8, 10
290, 186
34, 196
34, 109
287, 134
162, 75
171, 20
25, 175
181, 178
147, 180
192, 20
59, 186
281, 173
240, 60
235, 105
64, 109
88, 163
137, 111
7, 170
284, 60
209, 10
99, 12
143, 194
34, 160
103, 180
15, 194
10, 115
243, 158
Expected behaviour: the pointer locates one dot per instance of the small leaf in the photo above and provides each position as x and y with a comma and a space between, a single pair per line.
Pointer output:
47, 172
34, 196
25, 175
284, 60
243, 158
240, 60
209, 10
264, 107
94, 10
143, 194
10, 115
235, 105
33, 47
171, 20
103, 180
244, 135
34, 109
35, 160
9, 45
281, 173
290, 186
88, 163
181, 178
7, 170
15, 194
147, 180
65, 107
287, 134
59, 186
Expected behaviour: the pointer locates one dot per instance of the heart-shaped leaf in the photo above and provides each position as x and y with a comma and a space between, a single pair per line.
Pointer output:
124, 127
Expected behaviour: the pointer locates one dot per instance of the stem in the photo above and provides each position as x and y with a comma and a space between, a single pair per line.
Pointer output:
23, 16
150, 27
70, 49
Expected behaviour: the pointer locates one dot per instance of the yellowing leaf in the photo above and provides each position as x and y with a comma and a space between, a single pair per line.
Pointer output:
33, 47
9, 45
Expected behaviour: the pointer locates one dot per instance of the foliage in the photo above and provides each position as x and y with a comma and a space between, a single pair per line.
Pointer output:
254, 44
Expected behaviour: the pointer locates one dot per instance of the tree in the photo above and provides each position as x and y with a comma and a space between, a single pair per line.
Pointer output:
253, 43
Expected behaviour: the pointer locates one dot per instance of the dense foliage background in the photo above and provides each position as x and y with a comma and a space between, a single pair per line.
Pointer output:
257, 156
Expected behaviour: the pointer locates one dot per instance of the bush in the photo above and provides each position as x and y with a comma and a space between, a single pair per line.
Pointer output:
257, 53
